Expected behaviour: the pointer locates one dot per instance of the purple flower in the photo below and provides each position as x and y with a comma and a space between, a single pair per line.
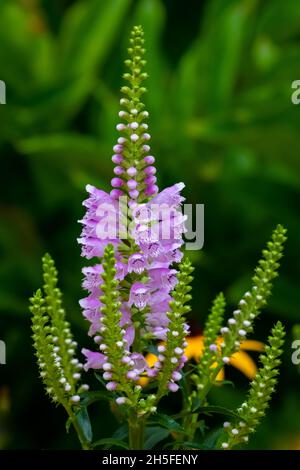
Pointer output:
139, 295
170, 196
136, 263
163, 278
144, 262
92, 279
94, 360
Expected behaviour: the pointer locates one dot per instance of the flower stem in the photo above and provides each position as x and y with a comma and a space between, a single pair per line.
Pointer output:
84, 443
136, 426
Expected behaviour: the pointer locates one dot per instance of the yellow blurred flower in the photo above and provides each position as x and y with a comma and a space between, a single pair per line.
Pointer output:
240, 360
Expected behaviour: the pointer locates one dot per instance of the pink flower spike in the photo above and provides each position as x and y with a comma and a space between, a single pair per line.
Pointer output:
146, 148
151, 190
178, 351
111, 386
118, 148
152, 373
131, 375
176, 375
134, 137
150, 170
117, 182
134, 125
146, 136
173, 387
132, 204
120, 400
116, 193
117, 159
149, 160
131, 171
120, 127
125, 359
150, 180
118, 170
121, 140
107, 375
134, 193
132, 184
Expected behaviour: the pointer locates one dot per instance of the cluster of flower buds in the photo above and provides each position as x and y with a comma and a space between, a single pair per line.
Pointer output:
252, 302
206, 369
253, 409
241, 323
60, 370
134, 170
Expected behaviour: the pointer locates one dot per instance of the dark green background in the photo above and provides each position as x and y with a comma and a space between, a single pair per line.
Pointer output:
222, 121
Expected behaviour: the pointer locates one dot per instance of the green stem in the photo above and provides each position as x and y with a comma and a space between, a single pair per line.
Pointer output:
190, 421
207, 387
136, 427
84, 443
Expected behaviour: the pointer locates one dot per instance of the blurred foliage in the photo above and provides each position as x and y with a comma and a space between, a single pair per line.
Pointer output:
222, 122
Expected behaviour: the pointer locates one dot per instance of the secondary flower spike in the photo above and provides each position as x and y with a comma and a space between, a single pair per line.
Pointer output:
144, 261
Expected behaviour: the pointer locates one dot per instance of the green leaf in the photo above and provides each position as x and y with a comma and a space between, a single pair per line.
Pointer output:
83, 421
166, 422
211, 442
154, 435
111, 442
226, 382
208, 410
216, 409
100, 379
68, 424
74, 149
89, 29
121, 432
194, 445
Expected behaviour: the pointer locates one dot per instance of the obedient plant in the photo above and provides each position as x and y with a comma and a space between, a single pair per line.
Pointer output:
138, 292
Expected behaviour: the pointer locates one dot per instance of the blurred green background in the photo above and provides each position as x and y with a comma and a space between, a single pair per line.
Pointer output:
222, 121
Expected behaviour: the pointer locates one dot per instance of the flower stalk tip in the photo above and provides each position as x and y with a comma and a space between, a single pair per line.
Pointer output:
135, 170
